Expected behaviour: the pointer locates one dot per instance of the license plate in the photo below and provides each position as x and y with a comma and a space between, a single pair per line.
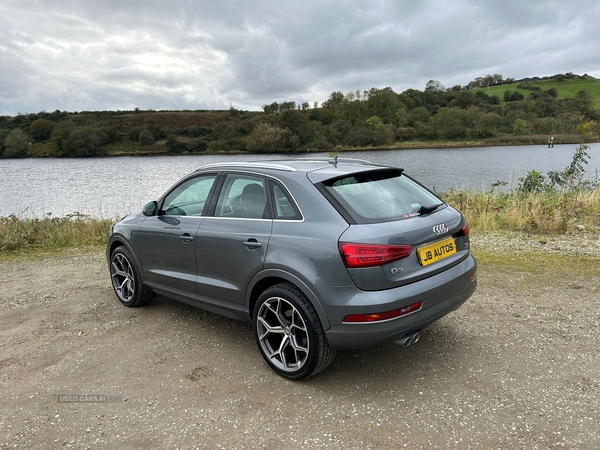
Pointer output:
436, 251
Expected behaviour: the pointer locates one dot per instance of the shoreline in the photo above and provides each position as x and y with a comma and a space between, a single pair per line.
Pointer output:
525, 140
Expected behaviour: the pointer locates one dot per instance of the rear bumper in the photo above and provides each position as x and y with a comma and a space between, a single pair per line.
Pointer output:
441, 294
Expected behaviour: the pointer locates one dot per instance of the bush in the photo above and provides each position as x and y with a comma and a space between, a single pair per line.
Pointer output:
111, 132
134, 133
227, 145
60, 135
521, 127
146, 138
41, 129
198, 131
270, 139
572, 177
533, 182
200, 145
85, 141
175, 145
16, 144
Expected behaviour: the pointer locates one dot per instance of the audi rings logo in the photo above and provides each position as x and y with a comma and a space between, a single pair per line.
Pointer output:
440, 229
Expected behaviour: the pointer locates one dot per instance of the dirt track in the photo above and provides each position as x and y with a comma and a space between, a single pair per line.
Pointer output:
518, 366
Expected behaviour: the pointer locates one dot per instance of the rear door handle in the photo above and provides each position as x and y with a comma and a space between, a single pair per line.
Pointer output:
252, 244
186, 238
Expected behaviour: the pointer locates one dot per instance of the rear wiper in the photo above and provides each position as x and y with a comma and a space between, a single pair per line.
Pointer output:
427, 209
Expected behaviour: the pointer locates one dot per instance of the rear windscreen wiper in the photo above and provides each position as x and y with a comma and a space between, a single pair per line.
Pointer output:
427, 209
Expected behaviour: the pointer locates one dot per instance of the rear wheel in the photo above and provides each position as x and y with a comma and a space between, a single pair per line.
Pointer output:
126, 279
289, 334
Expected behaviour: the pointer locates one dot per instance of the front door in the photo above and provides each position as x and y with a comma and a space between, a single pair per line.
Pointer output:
168, 240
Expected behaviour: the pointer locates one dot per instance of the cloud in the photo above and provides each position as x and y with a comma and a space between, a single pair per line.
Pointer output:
82, 55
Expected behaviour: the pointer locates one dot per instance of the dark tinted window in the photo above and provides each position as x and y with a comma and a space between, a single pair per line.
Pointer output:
380, 196
242, 196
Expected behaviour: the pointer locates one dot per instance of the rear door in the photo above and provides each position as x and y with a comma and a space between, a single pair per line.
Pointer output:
232, 243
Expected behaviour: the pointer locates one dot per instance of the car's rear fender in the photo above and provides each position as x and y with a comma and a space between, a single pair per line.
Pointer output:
270, 277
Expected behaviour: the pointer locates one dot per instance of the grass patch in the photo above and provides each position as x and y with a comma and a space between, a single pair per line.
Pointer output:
542, 213
553, 212
565, 89
537, 262
50, 234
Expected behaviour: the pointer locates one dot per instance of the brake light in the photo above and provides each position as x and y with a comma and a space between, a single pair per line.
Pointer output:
465, 229
370, 255
376, 317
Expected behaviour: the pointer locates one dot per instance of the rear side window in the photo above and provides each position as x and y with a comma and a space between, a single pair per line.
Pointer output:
285, 208
379, 196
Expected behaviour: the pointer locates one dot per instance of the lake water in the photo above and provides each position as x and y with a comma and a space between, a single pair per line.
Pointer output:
112, 187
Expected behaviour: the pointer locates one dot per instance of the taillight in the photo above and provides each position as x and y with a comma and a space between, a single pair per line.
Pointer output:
376, 317
369, 255
465, 229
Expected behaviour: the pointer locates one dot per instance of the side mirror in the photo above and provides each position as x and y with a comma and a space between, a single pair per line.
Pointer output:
150, 209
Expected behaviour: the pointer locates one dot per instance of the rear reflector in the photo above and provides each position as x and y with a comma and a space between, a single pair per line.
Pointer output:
369, 255
376, 317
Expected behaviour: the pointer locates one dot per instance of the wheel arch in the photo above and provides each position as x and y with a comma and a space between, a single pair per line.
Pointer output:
271, 277
116, 242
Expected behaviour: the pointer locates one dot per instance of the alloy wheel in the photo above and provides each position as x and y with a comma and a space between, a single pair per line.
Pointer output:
122, 276
283, 334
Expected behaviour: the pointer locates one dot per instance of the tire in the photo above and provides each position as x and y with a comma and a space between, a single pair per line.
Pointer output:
289, 334
126, 279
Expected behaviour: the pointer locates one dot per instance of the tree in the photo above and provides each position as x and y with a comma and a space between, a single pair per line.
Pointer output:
84, 141
450, 123
434, 86
16, 144
584, 98
270, 139
335, 101
41, 129
374, 122
60, 135
419, 114
520, 127
587, 128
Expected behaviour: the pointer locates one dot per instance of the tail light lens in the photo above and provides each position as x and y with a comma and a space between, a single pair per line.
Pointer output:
465, 229
370, 255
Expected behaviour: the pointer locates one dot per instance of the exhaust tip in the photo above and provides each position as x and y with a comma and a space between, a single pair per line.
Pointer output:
404, 341
410, 338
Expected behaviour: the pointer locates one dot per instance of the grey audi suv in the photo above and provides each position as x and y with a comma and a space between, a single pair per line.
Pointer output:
318, 254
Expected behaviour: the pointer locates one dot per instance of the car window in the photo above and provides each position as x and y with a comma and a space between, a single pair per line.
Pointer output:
380, 196
284, 206
189, 198
242, 196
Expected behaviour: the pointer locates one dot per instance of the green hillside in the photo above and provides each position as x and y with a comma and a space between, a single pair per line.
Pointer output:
566, 88
507, 112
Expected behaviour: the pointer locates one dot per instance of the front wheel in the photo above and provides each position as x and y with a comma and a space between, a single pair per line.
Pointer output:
289, 334
126, 279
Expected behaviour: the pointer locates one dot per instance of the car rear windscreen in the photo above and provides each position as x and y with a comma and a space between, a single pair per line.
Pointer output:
379, 196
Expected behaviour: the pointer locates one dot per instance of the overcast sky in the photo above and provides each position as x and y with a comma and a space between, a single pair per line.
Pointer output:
121, 54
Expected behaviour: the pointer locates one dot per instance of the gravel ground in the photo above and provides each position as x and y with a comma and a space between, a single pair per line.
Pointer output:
518, 366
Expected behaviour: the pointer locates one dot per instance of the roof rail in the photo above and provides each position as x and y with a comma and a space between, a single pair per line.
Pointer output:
337, 159
257, 164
